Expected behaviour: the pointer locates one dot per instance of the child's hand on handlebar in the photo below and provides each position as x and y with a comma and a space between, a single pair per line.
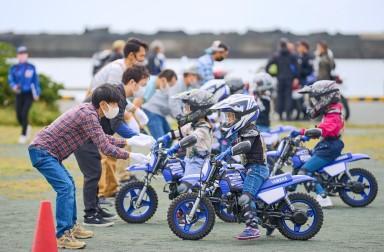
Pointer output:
223, 155
294, 133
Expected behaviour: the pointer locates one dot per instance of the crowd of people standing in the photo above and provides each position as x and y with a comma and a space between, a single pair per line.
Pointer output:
295, 66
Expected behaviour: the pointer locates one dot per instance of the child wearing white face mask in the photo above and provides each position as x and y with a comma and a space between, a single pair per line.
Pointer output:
111, 112
59, 140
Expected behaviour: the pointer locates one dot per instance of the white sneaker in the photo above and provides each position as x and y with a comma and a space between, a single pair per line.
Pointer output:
29, 131
324, 202
22, 139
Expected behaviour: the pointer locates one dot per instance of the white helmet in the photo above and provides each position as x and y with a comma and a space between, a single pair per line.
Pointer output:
261, 82
243, 106
218, 88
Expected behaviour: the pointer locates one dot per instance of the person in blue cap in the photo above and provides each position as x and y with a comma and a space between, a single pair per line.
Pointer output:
24, 81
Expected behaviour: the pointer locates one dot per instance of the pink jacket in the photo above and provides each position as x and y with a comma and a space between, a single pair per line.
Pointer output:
332, 122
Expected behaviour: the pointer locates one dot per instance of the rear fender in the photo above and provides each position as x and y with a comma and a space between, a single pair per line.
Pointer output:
272, 194
357, 156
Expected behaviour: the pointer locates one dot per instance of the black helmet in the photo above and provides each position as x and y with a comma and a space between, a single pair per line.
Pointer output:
199, 101
321, 95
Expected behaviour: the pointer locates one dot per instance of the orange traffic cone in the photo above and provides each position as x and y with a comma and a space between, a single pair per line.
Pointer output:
45, 238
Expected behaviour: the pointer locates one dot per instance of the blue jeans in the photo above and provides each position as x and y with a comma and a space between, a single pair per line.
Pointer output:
313, 164
62, 182
157, 124
256, 176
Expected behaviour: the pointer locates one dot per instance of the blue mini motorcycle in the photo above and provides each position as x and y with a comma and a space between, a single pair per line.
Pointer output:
137, 201
297, 216
356, 187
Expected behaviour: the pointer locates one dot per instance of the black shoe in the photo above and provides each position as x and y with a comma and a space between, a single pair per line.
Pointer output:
105, 214
96, 220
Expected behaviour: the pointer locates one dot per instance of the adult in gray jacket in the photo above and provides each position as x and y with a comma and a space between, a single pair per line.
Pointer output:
158, 107
324, 62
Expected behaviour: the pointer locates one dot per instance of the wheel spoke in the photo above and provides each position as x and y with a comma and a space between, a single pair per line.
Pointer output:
310, 213
187, 227
184, 208
145, 203
297, 227
133, 193
200, 215
364, 195
130, 210
360, 179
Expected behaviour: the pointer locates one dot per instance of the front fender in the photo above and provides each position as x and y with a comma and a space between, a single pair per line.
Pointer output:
137, 168
273, 153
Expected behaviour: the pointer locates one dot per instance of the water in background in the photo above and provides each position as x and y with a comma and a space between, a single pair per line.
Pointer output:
362, 77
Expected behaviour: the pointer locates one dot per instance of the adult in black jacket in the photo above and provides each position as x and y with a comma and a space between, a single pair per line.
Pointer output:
305, 61
287, 71
88, 156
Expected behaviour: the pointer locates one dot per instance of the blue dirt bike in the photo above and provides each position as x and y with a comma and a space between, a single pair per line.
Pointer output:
356, 187
297, 216
137, 201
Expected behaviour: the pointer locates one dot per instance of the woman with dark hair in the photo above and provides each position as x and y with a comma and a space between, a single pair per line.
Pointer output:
324, 62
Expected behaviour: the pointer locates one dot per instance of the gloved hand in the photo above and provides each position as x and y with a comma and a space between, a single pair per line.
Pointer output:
138, 158
181, 120
164, 139
141, 140
173, 149
294, 133
141, 117
305, 138
224, 154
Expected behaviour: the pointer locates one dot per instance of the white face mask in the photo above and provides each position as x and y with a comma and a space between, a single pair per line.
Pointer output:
112, 112
22, 58
139, 93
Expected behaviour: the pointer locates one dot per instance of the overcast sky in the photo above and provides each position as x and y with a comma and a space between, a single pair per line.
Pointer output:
299, 16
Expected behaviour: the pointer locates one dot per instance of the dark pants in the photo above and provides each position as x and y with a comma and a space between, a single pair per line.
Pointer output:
284, 97
88, 158
23, 104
